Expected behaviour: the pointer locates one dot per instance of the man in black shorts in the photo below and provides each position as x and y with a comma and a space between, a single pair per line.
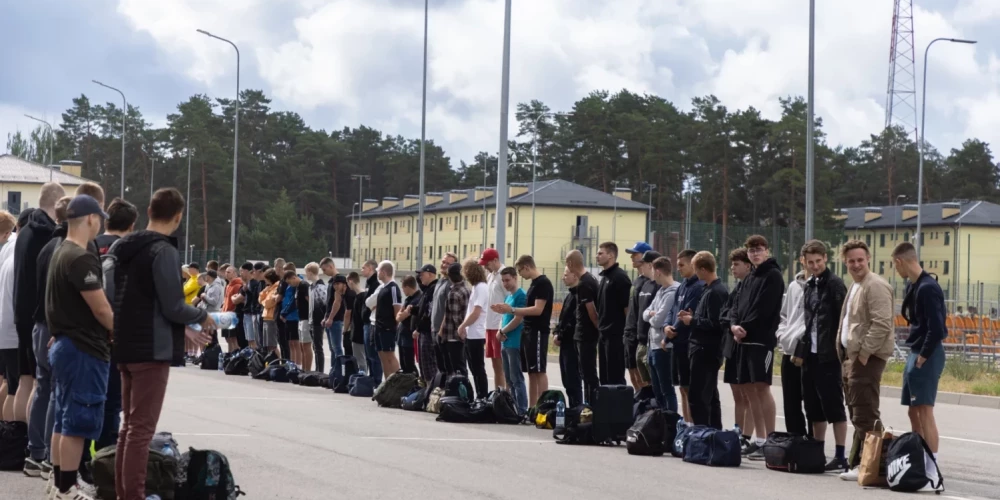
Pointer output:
688, 297
739, 267
633, 318
754, 324
387, 302
612, 307
535, 337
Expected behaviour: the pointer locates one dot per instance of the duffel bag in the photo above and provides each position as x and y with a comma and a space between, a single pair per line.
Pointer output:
646, 436
362, 386
791, 453
393, 389
710, 446
504, 407
911, 466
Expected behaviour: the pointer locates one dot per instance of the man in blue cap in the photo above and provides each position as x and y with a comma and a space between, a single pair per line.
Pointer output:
634, 314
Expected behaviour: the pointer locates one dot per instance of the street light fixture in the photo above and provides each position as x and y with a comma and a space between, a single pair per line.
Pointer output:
47, 124
124, 116
649, 217
923, 134
236, 144
504, 109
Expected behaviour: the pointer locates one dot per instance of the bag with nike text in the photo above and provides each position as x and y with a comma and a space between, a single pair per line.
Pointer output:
911, 467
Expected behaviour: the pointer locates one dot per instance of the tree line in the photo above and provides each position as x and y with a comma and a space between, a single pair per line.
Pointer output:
295, 191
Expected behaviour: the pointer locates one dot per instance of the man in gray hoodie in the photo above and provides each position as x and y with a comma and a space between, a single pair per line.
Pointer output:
661, 369
791, 328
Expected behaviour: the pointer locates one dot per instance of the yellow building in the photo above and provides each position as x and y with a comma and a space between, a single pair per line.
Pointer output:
21, 180
960, 242
464, 221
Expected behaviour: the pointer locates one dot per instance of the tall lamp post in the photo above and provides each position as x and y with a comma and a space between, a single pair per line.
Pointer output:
187, 208
649, 217
810, 126
423, 132
923, 134
502, 166
236, 145
47, 124
124, 116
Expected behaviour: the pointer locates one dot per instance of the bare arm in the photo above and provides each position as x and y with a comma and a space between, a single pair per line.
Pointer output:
472, 317
592, 313
514, 323
99, 305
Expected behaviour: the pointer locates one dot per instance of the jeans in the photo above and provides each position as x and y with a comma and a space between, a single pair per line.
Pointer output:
112, 410
569, 369
42, 412
661, 371
587, 350
791, 396
335, 335
703, 395
143, 387
374, 363
475, 352
511, 357
611, 356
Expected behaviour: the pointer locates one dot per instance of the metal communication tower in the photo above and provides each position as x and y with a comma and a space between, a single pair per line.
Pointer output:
901, 95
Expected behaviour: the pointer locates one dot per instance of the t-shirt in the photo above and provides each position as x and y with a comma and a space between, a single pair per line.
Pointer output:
480, 297
540, 289
347, 299
104, 242
74, 270
845, 329
389, 296
586, 293
515, 300
498, 295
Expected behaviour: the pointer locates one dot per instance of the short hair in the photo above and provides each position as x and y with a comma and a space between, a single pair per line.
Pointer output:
288, 275
663, 265
312, 268
259, 266
61, 209
609, 246
524, 261
248, 266
93, 190
325, 260
739, 255
755, 240
574, 259
212, 264
854, 245
509, 271
451, 255
354, 276
271, 275
121, 215
370, 263
686, 254
7, 222
50, 194
410, 282
289, 266
905, 251
814, 247
194, 265
473, 272
212, 273
166, 204
387, 264
704, 260
224, 267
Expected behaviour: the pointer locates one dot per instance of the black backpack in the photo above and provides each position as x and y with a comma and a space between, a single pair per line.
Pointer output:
458, 410
237, 364
13, 442
205, 475
792, 453
547, 402
210, 357
647, 435
612, 406
311, 379
341, 370
574, 430
255, 364
504, 407
278, 371
911, 466
458, 386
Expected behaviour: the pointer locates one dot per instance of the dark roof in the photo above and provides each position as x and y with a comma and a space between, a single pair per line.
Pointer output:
552, 193
972, 213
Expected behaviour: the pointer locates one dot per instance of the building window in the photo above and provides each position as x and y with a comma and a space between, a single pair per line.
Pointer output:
881, 267
881, 242
465, 225
508, 249
906, 236
440, 252
921, 237
510, 219
440, 224
868, 240
395, 227
947, 239
394, 254
493, 220
945, 271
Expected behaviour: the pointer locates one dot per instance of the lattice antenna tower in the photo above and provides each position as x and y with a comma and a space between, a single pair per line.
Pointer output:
901, 94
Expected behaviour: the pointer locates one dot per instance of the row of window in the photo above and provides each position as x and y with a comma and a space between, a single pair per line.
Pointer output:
934, 266
893, 238
403, 253
451, 222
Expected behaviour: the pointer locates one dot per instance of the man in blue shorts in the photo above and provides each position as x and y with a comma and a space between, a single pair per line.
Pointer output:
923, 308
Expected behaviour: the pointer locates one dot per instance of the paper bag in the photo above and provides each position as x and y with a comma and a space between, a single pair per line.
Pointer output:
872, 471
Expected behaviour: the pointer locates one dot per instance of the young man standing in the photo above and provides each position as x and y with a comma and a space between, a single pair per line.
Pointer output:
473, 328
754, 323
510, 335
343, 317
647, 292
455, 305
334, 307
677, 332
8, 347
150, 321
537, 314
660, 348
791, 330
233, 303
385, 305
406, 332
248, 298
705, 344
612, 310
426, 344
865, 342
490, 259
633, 316
440, 306
816, 353
924, 310
569, 358
369, 271
585, 333
358, 322
740, 267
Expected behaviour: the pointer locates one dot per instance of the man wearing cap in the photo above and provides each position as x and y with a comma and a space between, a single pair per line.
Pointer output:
455, 303
646, 295
635, 314
426, 345
497, 295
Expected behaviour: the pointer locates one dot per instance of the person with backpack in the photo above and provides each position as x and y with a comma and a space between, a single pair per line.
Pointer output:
660, 348
509, 334
149, 327
677, 332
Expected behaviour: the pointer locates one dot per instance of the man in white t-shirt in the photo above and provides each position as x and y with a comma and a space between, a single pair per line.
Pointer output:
473, 328
497, 295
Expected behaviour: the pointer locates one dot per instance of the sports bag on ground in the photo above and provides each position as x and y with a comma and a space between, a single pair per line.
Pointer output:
547, 401
710, 446
393, 389
574, 429
458, 386
311, 379
434, 401
361, 386
210, 357
644, 400
459, 411
237, 364
646, 436
13, 442
161, 471
255, 364
205, 475
680, 438
414, 401
612, 406
278, 370
342, 368
911, 466
791, 453
670, 429
504, 407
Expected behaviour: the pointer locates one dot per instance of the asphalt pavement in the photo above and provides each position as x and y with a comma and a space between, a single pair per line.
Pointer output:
289, 442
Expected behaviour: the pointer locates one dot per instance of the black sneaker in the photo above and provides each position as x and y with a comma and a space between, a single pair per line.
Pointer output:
46, 470
837, 464
32, 468
751, 448
744, 443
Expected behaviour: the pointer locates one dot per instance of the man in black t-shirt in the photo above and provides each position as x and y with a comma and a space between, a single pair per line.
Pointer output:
357, 321
342, 317
335, 306
585, 332
385, 304
612, 309
537, 315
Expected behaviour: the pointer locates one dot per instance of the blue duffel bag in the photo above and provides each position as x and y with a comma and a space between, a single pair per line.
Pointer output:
362, 386
710, 446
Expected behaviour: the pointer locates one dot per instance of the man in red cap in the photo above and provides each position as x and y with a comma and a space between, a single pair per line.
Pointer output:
497, 295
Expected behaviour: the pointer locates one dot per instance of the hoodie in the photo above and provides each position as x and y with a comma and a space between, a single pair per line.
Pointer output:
758, 307
214, 293
30, 241
233, 288
792, 325
8, 333
149, 307
42, 269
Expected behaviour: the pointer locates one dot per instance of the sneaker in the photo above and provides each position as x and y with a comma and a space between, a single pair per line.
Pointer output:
46, 470
32, 467
752, 447
744, 444
74, 493
756, 455
50, 487
851, 475
837, 464
86, 488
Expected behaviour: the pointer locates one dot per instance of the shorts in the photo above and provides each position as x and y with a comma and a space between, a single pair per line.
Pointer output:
26, 363
823, 390
385, 340
631, 345
250, 327
681, 365
920, 385
493, 347
292, 330
534, 351
270, 334
755, 364
9, 370
80, 386
730, 371
642, 362
305, 332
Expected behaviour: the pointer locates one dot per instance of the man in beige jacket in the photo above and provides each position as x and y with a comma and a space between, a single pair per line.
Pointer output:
866, 343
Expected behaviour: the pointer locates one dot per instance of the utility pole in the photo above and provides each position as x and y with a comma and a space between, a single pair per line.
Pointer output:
502, 167
361, 203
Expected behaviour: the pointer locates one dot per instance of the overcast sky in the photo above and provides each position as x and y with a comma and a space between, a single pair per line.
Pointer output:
349, 62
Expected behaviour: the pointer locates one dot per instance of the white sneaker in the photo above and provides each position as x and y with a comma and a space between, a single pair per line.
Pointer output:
86, 488
50, 487
74, 493
851, 475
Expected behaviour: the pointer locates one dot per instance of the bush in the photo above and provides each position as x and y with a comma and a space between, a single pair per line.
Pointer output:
986, 388
964, 371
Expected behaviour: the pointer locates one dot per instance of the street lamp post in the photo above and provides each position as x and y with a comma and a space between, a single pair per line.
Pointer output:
236, 145
49, 163
187, 208
124, 116
895, 236
923, 134
649, 217
423, 132
502, 166
810, 125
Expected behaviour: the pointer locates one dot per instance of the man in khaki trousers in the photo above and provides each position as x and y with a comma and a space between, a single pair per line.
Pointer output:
866, 343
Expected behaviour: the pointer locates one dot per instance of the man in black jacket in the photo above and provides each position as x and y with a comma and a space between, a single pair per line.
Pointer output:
149, 331
634, 315
705, 343
585, 332
569, 359
647, 292
369, 271
612, 311
754, 322
677, 332
426, 343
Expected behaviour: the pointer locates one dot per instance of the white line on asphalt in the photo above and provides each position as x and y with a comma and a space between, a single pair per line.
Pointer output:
259, 398
990, 443
199, 434
457, 440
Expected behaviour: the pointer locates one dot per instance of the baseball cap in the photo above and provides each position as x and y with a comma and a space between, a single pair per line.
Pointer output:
83, 205
488, 255
651, 255
428, 269
640, 247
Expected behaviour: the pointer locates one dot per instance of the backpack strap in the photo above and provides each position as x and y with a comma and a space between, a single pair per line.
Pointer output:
929, 453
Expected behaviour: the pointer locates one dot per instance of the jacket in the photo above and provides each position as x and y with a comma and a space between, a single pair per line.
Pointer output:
792, 326
149, 308
923, 308
758, 308
647, 292
214, 295
423, 307
234, 287
289, 307
269, 301
688, 296
634, 312
822, 301
657, 313
706, 320
42, 269
870, 323
566, 328
30, 241
191, 289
